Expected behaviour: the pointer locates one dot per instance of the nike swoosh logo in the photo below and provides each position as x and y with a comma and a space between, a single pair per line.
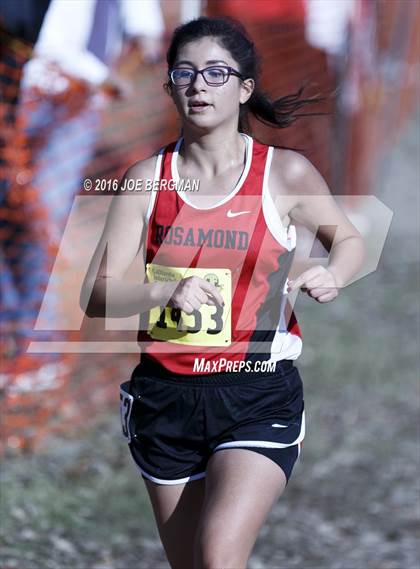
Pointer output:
230, 213
277, 425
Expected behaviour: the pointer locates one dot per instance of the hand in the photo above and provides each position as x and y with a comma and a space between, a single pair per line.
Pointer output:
318, 282
192, 292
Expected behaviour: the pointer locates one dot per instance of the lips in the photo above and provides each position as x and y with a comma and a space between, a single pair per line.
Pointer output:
198, 107
196, 104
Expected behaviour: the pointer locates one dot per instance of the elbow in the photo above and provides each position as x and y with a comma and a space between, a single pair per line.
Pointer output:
91, 311
360, 239
88, 302
362, 251
87, 307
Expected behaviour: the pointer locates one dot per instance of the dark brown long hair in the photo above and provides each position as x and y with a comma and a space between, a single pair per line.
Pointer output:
234, 38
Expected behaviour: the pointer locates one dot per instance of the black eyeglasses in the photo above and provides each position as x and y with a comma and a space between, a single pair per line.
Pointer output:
213, 76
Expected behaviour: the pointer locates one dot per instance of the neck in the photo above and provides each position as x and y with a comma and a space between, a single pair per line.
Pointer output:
212, 153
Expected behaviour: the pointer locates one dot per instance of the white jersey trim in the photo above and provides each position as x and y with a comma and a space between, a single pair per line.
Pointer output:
248, 161
285, 237
285, 346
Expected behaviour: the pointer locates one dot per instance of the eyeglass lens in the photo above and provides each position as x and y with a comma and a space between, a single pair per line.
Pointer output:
212, 75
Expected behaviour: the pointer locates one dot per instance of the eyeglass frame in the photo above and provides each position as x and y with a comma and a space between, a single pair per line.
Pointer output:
231, 71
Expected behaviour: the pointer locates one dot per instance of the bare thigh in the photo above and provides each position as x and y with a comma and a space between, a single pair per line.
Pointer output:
241, 488
177, 510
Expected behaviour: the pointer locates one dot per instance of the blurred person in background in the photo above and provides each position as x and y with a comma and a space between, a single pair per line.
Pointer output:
70, 78
69, 81
19, 29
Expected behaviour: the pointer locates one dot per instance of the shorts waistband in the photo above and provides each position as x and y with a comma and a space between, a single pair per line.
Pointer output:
152, 370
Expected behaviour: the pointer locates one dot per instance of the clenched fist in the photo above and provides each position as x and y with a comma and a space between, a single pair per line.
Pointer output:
192, 292
318, 282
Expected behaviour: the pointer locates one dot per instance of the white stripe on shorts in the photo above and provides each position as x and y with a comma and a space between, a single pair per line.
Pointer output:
176, 481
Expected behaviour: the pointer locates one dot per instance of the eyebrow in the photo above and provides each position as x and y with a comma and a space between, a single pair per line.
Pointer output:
210, 61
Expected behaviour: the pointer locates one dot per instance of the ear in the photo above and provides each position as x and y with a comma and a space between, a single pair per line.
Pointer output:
247, 87
167, 87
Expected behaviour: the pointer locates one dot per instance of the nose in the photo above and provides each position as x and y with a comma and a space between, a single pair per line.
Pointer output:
198, 83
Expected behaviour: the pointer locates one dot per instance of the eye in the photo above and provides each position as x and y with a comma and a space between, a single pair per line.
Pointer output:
182, 74
216, 73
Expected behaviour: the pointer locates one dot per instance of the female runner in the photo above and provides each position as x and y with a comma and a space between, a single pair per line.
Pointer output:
214, 412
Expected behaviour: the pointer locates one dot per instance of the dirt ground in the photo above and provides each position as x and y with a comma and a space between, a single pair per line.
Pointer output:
353, 499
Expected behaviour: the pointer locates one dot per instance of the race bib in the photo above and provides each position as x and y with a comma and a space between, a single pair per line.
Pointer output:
209, 326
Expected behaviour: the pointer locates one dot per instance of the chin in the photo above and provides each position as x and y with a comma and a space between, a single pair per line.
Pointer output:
200, 125
205, 123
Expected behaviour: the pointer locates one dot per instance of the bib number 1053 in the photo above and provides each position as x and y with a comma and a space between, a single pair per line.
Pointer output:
209, 326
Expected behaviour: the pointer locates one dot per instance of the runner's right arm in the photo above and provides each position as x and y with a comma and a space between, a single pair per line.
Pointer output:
105, 292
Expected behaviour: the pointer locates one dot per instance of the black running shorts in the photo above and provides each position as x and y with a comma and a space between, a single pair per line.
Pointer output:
174, 423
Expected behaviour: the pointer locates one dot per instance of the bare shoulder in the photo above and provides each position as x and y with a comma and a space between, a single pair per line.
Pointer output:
141, 170
308, 197
293, 174
293, 183
137, 198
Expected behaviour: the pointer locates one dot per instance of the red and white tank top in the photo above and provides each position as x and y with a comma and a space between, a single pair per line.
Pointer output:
240, 246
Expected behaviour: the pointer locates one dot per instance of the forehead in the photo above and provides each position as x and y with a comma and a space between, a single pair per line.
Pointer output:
202, 52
